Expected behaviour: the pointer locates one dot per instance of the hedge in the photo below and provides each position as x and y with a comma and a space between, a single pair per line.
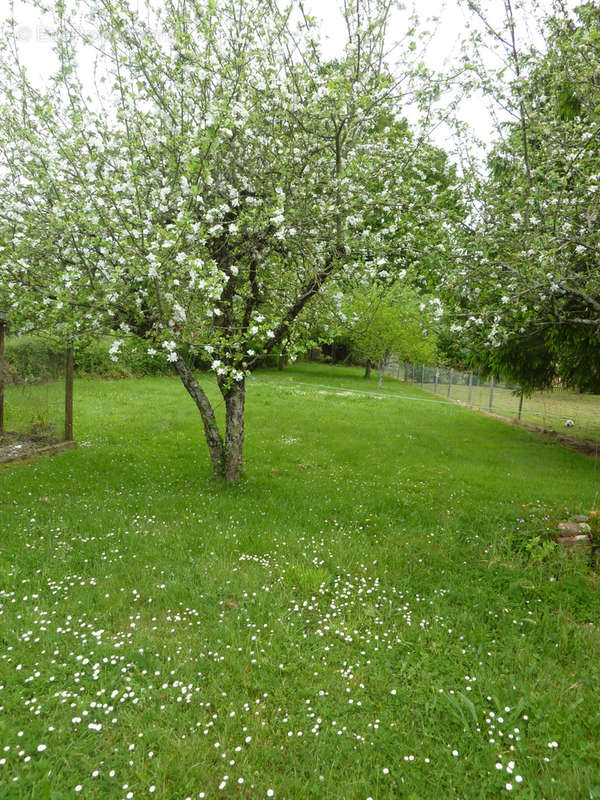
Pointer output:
34, 359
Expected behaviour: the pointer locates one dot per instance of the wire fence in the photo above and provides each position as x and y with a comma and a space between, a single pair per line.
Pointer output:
35, 411
559, 411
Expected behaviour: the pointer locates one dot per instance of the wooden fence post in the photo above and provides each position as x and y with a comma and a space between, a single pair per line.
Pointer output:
2, 326
69, 395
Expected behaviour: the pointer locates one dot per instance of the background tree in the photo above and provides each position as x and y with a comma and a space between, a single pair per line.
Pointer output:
382, 322
416, 242
208, 194
527, 288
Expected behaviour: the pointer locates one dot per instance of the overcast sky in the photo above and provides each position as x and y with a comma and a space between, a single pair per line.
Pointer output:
33, 32
36, 46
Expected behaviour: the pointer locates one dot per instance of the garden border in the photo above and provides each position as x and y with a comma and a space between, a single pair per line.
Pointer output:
46, 450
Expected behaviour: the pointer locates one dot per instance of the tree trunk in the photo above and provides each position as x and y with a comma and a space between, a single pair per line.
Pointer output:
368, 369
380, 381
281, 362
235, 398
211, 429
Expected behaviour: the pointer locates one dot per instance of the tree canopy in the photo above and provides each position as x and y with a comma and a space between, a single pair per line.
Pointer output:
389, 321
223, 175
526, 292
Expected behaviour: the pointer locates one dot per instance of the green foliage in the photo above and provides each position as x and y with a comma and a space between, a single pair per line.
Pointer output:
35, 359
526, 360
594, 523
533, 530
526, 291
384, 321
540, 548
93, 358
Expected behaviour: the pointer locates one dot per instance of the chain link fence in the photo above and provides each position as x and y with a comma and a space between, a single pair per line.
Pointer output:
566, 413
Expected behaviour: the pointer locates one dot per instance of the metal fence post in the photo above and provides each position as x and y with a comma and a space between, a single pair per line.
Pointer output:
69, 395
422, 376
435, 379
470, 387
450, 382
492, 393
520, 405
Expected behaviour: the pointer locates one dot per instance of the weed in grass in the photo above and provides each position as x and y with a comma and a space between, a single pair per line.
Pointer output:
532, 536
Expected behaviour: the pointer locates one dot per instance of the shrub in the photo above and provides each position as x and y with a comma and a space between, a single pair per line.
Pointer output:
35, 359
94, 358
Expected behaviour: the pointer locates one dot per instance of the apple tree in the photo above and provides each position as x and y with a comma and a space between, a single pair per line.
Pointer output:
207, 190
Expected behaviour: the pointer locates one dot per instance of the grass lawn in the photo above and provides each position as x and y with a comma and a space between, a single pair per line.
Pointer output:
356, 619
35, 407
547, 410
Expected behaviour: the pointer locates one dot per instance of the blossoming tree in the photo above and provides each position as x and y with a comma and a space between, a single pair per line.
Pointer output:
527, 287
386, 321
207, 193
